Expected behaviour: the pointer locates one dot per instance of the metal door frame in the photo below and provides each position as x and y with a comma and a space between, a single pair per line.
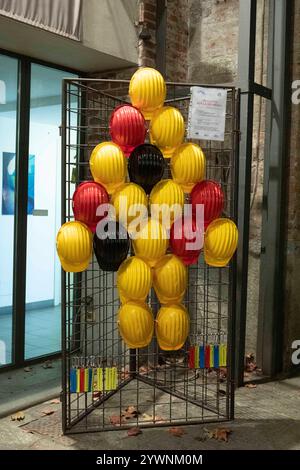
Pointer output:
276, 92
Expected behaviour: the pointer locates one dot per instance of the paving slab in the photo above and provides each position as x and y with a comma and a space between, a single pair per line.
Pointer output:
267, 417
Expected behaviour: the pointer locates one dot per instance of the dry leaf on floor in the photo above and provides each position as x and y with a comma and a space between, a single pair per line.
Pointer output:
47, 365
221, 434
130, 412
209, 434
56, 401
19, 416
116, 420
147, 417
158, 419
250, 385
222, 392
144, 370
47, 412
27, 369
134, 432
177, 431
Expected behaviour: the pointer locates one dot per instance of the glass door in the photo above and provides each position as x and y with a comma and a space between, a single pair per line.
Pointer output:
8, 125
43, 313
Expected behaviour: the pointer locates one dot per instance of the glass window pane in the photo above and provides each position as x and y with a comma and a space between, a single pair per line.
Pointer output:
8, 118
44, 211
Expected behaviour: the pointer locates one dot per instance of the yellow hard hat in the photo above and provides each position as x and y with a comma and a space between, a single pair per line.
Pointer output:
147, 90
170, 279
188, 166
74, 246
220, 242
151, 242
172, 327
164, 195
136, 324
167, 129
134, 279
108, 166
124, 201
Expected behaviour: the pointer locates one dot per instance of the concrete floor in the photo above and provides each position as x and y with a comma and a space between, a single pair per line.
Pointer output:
267, 417
26, 387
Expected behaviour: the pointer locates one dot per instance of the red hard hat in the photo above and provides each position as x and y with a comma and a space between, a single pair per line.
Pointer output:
210, 194
181, 235
127, 128
86, 199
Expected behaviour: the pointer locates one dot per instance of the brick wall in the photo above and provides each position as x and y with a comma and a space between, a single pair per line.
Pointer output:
177, 40
213, 39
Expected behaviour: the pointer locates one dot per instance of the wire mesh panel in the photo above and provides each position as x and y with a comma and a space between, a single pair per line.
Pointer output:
149, 387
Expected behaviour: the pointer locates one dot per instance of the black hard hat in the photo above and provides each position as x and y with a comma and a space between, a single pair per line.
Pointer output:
146, 166
112, 245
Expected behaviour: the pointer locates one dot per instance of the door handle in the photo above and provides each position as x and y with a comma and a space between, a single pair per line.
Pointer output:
40, 212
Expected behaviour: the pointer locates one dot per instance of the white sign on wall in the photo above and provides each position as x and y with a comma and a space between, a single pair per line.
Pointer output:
207, 113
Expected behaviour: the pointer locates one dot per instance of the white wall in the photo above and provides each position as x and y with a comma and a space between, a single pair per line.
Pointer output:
109, 26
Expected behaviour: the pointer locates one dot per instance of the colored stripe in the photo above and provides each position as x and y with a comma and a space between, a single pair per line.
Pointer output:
207, 356
216, 356
225, 355
211, 356
107, 379
201, 357
192, 357
90, 380
73, 380
221, 355
197, 357
78, 380
86, 380
82, 377
99, 380
114, 374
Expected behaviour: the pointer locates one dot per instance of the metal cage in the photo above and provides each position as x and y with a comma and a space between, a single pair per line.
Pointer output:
154, 388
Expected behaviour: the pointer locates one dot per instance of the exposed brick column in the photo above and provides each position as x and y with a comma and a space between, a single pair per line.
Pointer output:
177, 35
147, 48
